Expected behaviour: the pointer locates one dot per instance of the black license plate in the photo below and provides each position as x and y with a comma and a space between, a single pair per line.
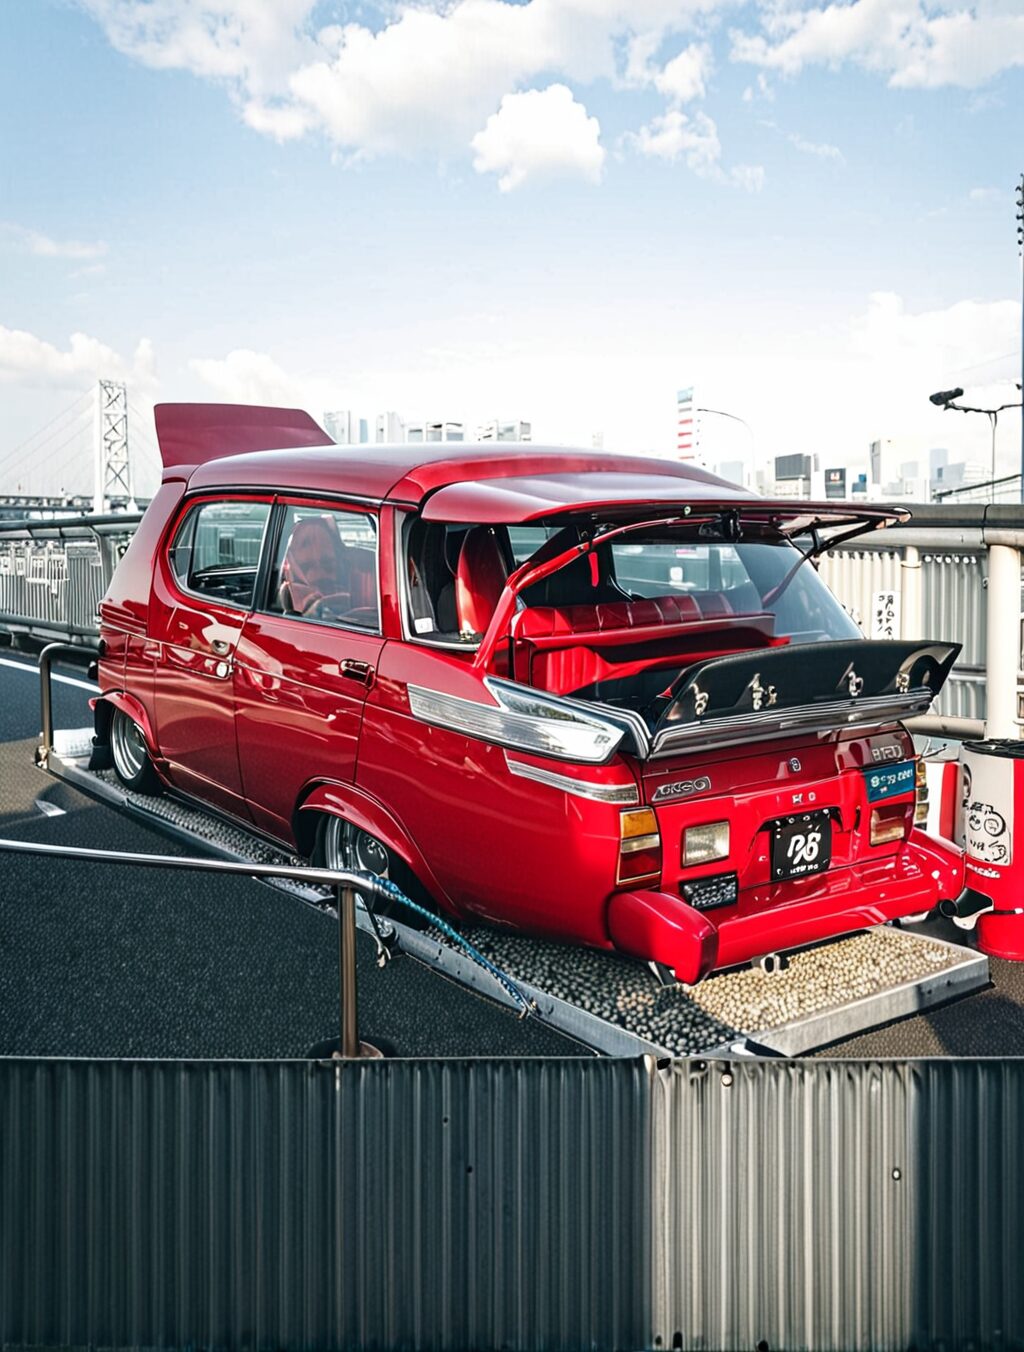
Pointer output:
801, 845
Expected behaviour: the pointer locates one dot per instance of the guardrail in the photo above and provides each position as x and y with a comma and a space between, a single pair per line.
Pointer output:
54, 573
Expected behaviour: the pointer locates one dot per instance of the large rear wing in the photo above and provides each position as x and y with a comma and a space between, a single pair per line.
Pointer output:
191, 434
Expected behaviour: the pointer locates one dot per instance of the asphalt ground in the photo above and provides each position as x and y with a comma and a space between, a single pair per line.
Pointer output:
103, 960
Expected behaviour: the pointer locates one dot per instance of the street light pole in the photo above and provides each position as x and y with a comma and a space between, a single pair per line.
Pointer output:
720, 413
1020, 250
944, 400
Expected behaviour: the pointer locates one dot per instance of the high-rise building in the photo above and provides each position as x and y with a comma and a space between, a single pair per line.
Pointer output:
686, 436
364, 431
389, 428
338, 426
497, 430
435, 431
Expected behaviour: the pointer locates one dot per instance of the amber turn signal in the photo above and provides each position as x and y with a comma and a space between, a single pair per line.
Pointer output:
639, 845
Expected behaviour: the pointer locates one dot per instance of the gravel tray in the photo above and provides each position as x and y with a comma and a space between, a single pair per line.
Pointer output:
744, 1003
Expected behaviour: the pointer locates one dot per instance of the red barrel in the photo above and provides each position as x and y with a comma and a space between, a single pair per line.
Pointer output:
992, 813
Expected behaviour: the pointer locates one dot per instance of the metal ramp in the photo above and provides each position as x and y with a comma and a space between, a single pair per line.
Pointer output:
612, 1004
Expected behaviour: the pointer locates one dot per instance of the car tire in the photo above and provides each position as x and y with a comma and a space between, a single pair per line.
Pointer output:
130, 755
342, 845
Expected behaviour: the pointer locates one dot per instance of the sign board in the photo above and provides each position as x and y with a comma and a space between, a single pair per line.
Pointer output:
988, 808
835, 483
885, 614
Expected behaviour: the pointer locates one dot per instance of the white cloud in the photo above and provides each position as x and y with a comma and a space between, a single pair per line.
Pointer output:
428, 76
821, 150
917, 44
676, 135
685, 77
27, 359
248, 377
539, 134
43, 246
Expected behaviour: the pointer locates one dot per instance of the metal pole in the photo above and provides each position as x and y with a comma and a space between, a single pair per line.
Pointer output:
1002, 653
347, 971
1020, 249
993, 419
912, 619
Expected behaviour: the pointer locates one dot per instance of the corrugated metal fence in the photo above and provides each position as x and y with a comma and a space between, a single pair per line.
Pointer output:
308, 1205
520, 1204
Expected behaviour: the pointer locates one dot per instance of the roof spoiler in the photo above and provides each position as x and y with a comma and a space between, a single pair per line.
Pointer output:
191, 434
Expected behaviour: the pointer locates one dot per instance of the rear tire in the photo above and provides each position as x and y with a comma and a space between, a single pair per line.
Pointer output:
130, 755
342, 845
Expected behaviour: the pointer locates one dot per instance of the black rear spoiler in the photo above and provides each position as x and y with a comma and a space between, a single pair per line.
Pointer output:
819, 687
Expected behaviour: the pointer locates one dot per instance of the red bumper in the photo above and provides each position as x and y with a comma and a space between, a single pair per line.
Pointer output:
660, 926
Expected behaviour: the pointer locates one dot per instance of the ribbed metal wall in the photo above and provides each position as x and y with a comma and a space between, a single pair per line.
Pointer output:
395, 1204
846, 1205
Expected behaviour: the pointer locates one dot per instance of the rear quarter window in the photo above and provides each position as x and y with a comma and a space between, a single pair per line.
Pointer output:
216, 550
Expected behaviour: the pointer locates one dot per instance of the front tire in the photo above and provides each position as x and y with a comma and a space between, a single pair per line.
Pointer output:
132, 763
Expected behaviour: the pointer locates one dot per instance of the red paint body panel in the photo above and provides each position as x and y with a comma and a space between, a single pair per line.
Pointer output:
252, 710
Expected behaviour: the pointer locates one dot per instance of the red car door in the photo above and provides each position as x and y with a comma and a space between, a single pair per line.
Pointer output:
203, 587
307, 659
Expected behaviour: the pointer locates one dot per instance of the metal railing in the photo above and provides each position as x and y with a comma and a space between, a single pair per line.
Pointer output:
53, 574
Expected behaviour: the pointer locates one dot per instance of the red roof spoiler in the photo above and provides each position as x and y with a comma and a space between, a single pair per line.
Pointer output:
191, 434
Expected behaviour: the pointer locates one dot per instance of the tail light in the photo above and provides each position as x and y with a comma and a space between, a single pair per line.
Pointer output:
704, 844
920, 793
888, 823
639, 846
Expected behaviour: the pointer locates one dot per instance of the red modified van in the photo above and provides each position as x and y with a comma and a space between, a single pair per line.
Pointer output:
599, 698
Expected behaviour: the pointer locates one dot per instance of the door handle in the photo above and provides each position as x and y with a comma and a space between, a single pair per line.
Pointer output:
220, 646
356, 671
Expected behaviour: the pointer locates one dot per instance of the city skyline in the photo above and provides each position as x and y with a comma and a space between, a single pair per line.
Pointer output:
570, 212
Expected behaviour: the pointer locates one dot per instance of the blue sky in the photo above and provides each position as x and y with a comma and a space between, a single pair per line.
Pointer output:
558, 210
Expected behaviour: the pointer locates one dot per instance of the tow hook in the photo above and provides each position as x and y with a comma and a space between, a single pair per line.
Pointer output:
969, 905
771, 963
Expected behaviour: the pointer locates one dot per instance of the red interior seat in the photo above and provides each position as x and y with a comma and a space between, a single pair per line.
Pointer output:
479, 580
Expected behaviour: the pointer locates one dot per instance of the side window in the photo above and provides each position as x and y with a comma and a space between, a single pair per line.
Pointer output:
216, 550
326, 568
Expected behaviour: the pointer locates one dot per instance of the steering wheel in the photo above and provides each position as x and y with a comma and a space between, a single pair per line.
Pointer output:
327, 607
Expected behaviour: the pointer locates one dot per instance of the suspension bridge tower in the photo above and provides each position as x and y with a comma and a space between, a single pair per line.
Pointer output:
113, 469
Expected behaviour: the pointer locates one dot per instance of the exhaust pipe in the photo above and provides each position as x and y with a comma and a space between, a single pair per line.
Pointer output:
969, 905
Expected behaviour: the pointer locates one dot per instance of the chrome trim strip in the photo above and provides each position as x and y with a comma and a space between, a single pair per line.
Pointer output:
832, 716
507, 726
624, 795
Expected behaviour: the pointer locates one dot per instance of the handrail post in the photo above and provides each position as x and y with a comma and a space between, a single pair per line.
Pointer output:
46, 660
346, 899
1003, 657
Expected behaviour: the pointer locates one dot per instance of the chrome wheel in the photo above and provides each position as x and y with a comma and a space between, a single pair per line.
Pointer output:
344, 846
130, 754
128, 746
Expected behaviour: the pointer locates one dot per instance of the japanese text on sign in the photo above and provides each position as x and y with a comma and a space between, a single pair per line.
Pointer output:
885, 615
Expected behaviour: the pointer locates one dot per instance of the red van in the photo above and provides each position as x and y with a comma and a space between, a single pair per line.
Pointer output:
599, 698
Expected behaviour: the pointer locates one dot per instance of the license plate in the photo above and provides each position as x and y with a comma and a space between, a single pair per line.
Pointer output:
801, 845
889, 781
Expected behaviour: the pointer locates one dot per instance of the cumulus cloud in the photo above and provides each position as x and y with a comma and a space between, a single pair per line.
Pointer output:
969, 336
28, 359
916, 44
428, 76
676, 135
539, 134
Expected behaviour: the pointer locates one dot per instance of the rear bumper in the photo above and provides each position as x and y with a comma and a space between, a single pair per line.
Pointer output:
662, 927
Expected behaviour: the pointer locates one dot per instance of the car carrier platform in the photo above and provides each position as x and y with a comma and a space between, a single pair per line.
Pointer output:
610, 1003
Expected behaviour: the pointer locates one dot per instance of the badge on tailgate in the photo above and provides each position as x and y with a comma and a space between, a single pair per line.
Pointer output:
888, 781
